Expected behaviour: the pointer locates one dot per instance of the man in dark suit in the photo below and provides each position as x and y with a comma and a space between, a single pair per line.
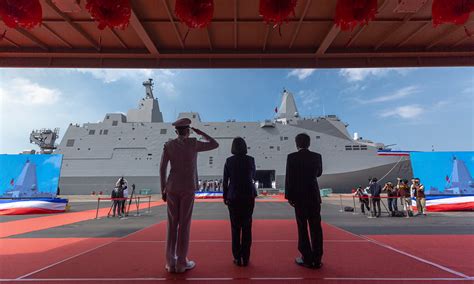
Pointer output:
302, 192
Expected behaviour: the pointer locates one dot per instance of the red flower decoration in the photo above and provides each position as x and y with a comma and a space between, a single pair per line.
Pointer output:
110, 13
276, 11
350, 13
451, 11
21, 13
194, 13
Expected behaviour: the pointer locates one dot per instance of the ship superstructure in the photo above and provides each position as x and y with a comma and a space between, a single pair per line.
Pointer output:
95, 154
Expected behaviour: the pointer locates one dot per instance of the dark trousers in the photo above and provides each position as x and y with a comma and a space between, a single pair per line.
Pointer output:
392, 204
310, 245
375, 205
116, 207
364, 202
240, 213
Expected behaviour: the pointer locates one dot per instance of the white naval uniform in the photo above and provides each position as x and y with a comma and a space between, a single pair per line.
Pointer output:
180, 186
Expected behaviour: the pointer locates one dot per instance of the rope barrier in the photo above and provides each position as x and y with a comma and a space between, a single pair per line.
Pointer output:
137, 203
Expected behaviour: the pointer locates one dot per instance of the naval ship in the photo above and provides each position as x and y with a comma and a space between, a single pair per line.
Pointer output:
96, 154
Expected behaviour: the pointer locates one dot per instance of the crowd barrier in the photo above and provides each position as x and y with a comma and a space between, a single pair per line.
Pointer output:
137, 204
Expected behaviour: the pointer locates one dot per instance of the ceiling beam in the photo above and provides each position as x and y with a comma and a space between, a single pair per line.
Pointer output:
11, 41
171, 19
448, 33
32, 38
253, 20
415, 33
142, 33
265, 40
58, 37
209, 40
143, 54
236, 14
74, 25
328, 39
353, 38
119, 39
297, 30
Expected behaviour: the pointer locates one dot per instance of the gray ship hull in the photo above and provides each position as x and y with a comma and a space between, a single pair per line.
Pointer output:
340, 183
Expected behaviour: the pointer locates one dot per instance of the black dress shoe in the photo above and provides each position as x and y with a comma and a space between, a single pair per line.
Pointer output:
317, 265
238, 262
300, 261
245, 262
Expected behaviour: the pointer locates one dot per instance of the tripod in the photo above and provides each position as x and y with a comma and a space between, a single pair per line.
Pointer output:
130, 201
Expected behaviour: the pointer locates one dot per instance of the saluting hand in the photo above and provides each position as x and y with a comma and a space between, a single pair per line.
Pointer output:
197, 131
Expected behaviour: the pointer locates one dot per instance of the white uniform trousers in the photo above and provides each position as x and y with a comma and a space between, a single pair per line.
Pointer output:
180, 210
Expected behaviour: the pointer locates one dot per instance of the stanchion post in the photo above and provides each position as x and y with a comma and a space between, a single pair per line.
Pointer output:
138, 206
149, 203
340, 198
354, 202
97, 211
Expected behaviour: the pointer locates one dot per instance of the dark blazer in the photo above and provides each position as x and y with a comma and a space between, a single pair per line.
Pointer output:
302, 169
239, 173
375, 189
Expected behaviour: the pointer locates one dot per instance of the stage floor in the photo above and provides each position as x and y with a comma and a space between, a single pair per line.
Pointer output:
76, 248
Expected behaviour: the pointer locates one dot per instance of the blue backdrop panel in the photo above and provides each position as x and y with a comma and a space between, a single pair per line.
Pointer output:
29, 176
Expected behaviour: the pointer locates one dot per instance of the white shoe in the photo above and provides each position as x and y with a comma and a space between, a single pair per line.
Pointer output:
170, 269
189, 265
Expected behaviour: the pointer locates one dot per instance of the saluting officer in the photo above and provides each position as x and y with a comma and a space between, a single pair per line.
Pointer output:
178, 190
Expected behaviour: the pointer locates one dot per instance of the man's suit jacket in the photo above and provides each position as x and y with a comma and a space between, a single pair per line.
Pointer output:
239, 173
182, 155
302, 170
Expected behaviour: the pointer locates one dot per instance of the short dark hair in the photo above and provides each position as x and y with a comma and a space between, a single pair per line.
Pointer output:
182, 130
239, 147
302, 141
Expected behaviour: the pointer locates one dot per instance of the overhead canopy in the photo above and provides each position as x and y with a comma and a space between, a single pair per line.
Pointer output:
238, 38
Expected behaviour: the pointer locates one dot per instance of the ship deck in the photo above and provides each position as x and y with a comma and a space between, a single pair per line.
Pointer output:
75, 247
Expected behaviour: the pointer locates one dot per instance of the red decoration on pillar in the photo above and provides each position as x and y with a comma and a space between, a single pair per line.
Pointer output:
350, 13
195, 13
276, 11
21, 13
451, 11
110, 13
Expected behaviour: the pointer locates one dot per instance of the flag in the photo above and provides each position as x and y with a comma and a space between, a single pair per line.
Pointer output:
447, 179
12, 182
276, 109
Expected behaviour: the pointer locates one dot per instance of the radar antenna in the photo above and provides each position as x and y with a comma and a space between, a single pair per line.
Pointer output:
45, 139
149, 88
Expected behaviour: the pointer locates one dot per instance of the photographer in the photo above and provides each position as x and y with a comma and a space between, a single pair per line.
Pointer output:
405, 196
363, 198
121, 185
392, 194
375, 190
419, 191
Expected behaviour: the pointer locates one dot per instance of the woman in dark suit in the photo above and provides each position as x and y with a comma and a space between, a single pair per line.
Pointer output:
239, 196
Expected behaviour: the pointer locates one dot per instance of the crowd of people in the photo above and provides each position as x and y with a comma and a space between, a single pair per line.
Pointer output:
209, 185
370, 197
239, 193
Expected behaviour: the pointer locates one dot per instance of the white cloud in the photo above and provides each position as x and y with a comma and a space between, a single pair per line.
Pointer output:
113, 75
22, 91
399, 94
406, 112
309, 99
360, 74
301, 74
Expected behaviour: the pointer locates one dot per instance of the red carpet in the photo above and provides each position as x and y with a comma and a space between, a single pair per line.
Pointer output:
140, 256
40, 223
453, 251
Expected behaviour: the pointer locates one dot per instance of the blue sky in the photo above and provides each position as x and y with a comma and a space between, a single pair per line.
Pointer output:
415, 108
